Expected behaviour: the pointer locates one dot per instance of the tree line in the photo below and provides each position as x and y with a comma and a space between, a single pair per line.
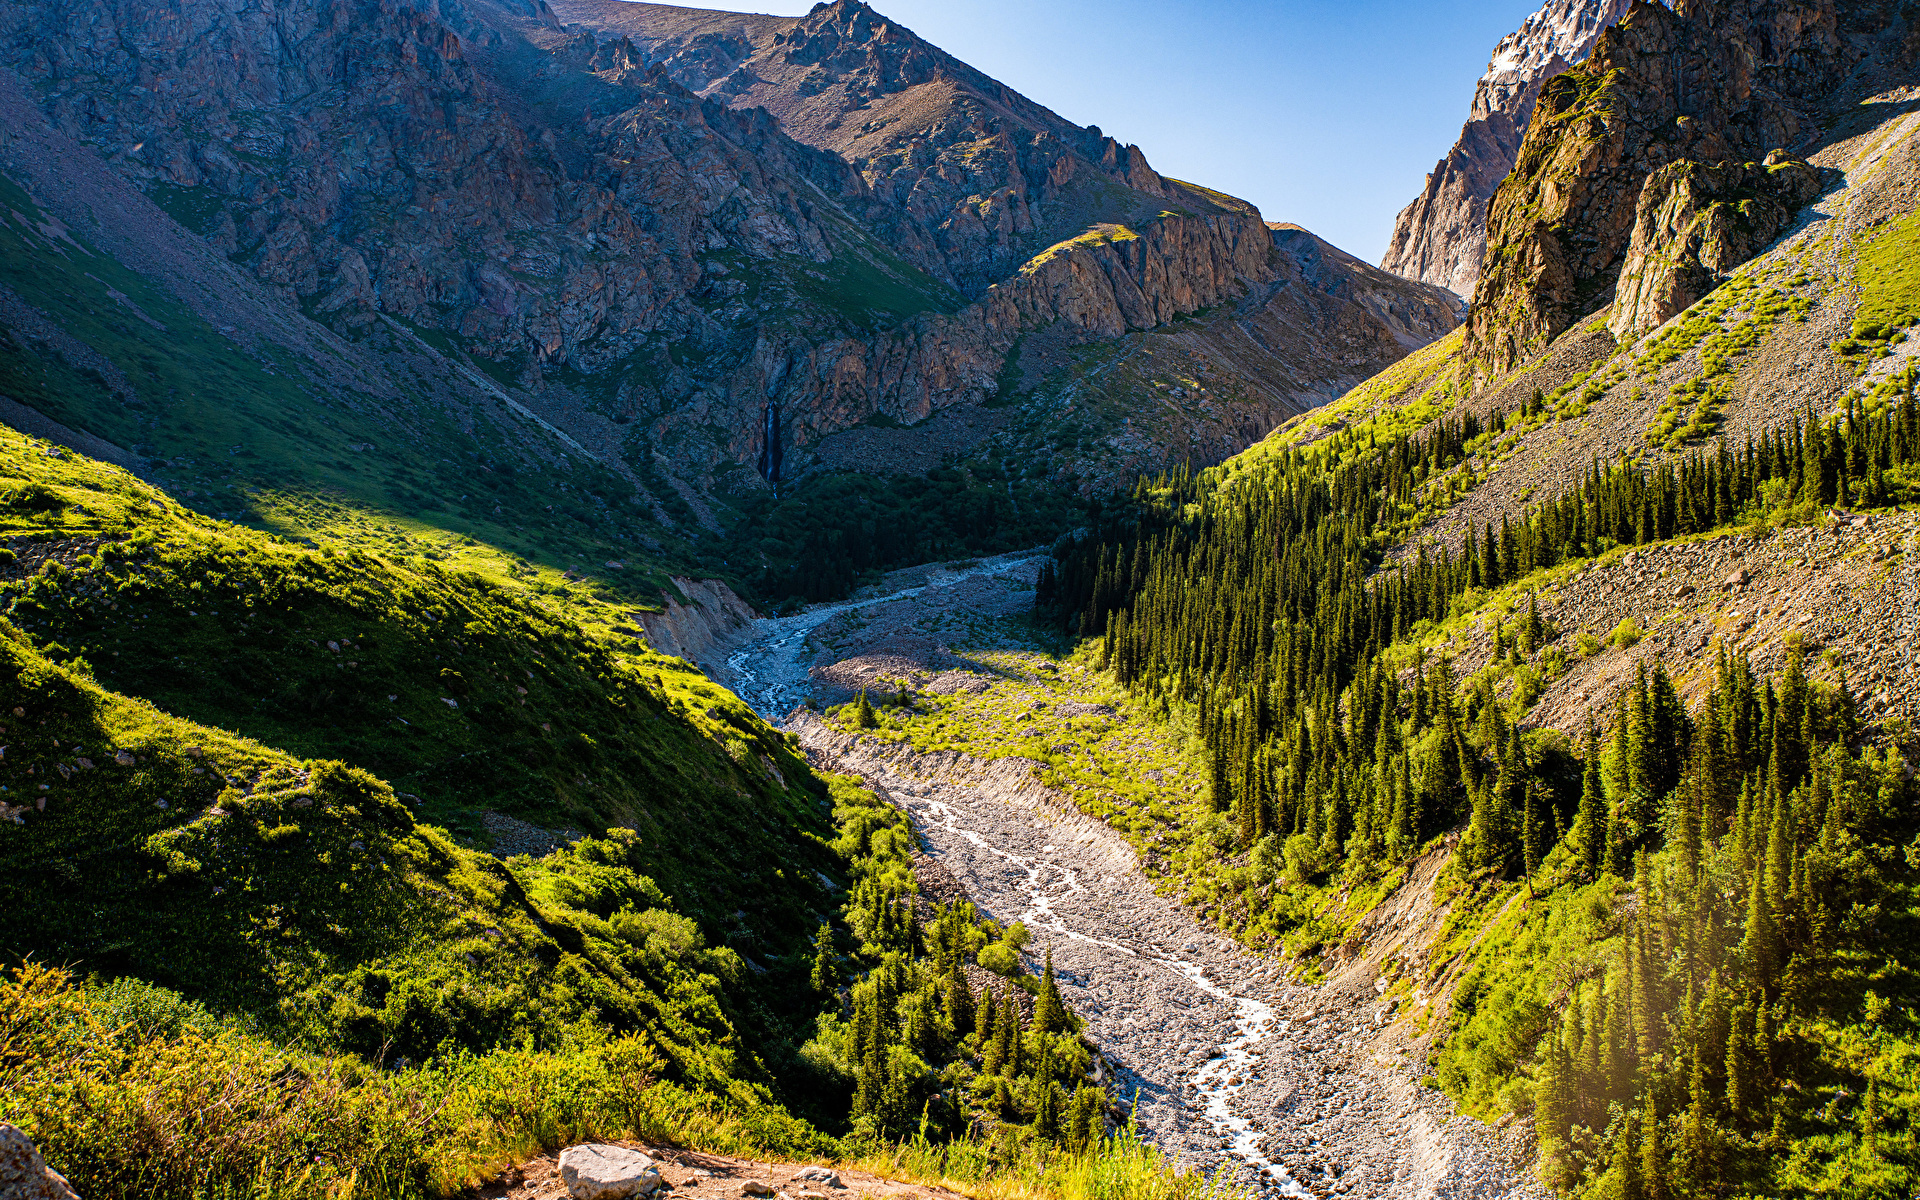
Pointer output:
908, 1041
1754, 833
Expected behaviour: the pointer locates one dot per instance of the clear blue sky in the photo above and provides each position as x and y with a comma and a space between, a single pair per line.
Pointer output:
1322, 112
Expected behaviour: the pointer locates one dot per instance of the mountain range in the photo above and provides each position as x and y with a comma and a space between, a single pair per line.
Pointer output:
446, 439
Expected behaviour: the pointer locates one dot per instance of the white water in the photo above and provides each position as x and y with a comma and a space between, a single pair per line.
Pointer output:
1222, 1078
770, 674
768, 671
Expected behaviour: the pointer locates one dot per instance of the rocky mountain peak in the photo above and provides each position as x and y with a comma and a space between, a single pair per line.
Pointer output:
1558, 35
992, 176
1700, 83
1441, 237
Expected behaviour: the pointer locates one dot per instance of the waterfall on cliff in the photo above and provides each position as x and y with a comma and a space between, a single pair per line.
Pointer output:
770, 446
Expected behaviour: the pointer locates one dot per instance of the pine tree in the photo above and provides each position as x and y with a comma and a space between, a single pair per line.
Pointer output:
1046, 1111
1742, 1086
1016, 1039
1653, 1162
1403, 836
983, 1027
1646, 1000
1000, 1056
1870, 1116
1590, 819
1049, 1013
1554, 1110
1780, 857
1003, 1100
863, 717
1623, 1177
1762, 940
1532, 832
921, 1023
959, 1000
1619, 855
1085, 1123
824, 978
1695, 1158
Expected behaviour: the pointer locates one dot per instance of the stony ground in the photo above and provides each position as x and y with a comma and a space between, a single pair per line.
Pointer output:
690, 1175
1299, 1090
1846, 593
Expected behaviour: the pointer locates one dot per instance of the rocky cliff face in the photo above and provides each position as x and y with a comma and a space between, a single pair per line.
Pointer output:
702, 629
654, 225
992, 175
1693, 224
1704, 83
1441, 237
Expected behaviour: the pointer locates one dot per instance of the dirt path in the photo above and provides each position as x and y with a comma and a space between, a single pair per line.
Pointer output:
1293, 1089
692, 1175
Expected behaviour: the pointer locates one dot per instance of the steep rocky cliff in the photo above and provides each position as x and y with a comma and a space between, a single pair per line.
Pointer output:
1705, 83
1693, 224
992, 175
687, 239
1441, 236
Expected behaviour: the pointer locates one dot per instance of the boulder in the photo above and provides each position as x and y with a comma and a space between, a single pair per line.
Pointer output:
24, 1175
599, 1172
819, 1175
755, 1187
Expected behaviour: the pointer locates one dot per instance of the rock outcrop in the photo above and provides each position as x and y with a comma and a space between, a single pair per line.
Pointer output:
1707, 83
24, 1175
667, 230
1693, 225
1441, 237
710, 622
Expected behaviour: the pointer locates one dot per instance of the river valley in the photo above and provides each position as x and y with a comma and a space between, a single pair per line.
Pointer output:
1290, 1090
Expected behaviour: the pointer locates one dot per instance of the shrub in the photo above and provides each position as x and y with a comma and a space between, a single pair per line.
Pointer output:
1626, 633
31, 498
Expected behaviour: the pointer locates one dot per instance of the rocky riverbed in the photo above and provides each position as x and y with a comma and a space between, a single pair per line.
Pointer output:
1293, 1090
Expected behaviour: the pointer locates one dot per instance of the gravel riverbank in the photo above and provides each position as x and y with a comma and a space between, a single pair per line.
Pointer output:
1288, 1087
1293, 1090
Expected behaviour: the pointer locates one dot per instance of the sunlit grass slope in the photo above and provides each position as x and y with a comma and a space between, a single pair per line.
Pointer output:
466, 694
247, 428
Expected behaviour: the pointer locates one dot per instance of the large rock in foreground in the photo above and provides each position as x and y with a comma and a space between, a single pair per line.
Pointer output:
24, 1175
599, 1172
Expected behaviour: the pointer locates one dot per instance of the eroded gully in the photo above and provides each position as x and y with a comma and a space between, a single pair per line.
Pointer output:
1225, 1065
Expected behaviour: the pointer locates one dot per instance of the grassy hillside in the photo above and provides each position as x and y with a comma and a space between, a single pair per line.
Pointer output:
197, 720
301, 894
236, 425
303, 911
466, 693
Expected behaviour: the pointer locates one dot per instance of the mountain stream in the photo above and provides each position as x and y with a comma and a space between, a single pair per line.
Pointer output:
1225, 1065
